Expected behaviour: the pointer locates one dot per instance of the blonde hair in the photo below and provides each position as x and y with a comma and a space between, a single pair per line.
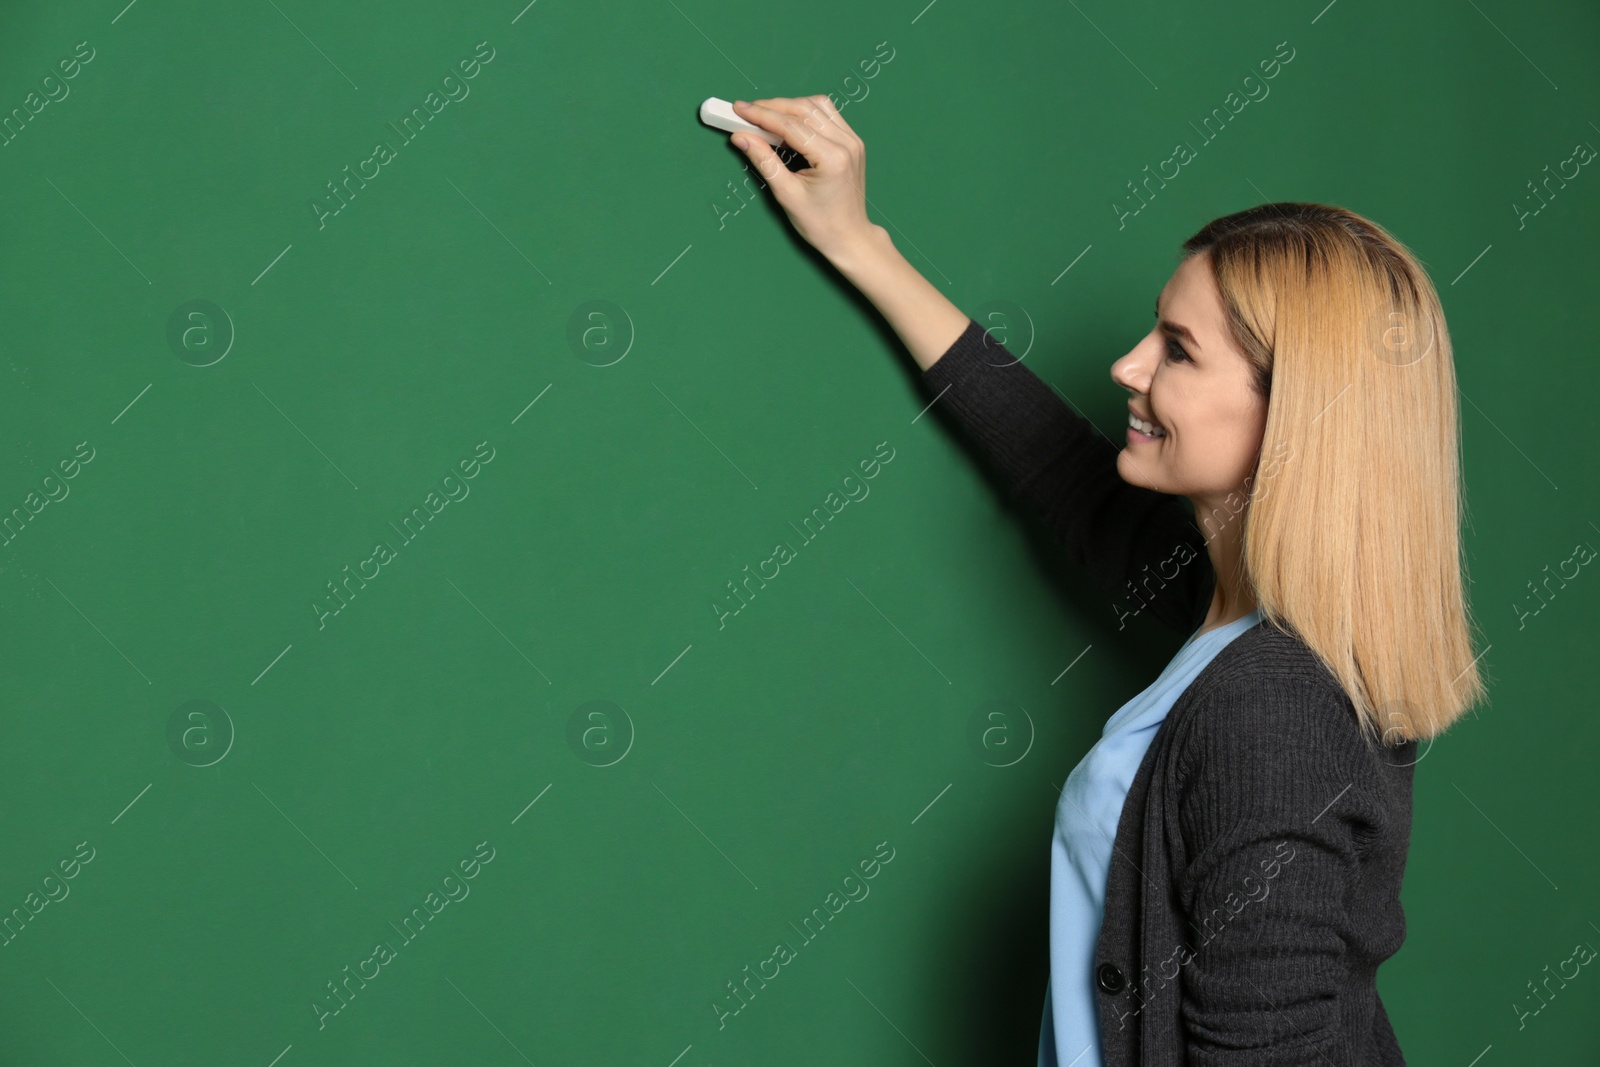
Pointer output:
1352, 527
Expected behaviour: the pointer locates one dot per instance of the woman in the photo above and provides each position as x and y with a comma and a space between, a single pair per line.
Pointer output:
1227, 858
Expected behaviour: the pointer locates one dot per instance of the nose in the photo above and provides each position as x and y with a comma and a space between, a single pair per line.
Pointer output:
1135, 370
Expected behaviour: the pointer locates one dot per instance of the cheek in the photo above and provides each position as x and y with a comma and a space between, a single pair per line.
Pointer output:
1236, 441
1220, 439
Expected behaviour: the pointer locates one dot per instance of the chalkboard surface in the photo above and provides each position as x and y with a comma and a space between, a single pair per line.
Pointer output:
477, 588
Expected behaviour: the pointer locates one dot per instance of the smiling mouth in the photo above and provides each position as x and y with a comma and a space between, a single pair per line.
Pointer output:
1147, 431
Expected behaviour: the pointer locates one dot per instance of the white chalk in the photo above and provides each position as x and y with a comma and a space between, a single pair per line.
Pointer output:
719, 113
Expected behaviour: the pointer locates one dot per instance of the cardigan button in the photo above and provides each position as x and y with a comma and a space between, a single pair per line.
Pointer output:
1110, 979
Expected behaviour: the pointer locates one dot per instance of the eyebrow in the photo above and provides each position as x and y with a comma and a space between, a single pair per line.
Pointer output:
1174, 328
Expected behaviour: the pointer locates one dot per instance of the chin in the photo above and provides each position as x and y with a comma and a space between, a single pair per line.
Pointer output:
1137, 473
1128, 471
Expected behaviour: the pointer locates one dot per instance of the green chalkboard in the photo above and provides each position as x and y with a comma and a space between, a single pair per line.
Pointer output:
399, 398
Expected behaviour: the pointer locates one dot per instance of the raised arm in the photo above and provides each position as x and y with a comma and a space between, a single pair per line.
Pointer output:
1139, 545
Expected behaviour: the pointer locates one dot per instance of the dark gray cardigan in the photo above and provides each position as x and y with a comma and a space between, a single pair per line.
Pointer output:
1255, 878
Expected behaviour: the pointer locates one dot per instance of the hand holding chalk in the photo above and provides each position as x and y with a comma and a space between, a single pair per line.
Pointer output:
825, 202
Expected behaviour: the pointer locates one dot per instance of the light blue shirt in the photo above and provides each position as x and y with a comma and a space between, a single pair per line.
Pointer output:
1080, 852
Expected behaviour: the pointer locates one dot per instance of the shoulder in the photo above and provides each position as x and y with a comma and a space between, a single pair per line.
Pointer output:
1269, 743
1266, 703
1266, 649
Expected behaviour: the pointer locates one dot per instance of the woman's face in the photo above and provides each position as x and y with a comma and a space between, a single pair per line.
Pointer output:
1188, 379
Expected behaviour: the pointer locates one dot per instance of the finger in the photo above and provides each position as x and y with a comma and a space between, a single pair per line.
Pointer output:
821, 115
803, 126
829, 108
813, 120
768, 165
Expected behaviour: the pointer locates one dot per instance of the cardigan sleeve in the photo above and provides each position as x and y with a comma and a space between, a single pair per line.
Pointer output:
1136, 543
1275, 803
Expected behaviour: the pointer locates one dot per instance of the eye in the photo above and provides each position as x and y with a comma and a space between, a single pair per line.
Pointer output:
1175, 352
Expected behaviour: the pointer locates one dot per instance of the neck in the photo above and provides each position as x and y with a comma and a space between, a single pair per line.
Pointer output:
1223, 526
